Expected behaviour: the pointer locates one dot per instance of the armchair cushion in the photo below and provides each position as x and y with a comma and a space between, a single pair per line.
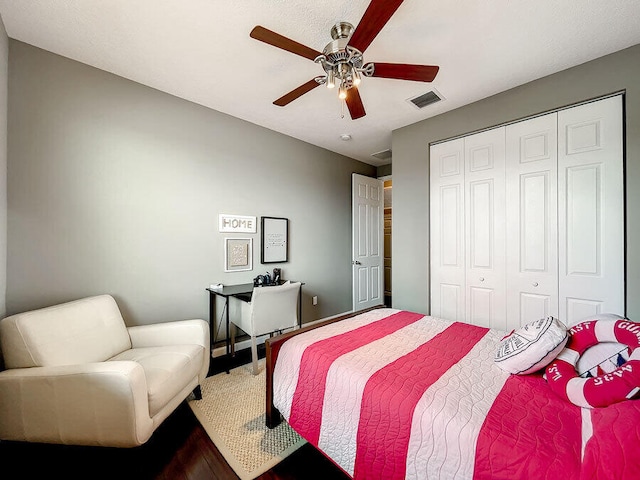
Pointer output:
167, 370
183, 332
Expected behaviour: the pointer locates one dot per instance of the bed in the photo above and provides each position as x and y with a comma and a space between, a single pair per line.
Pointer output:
392, 394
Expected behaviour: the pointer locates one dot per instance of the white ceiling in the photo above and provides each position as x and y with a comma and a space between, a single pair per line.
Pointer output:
200, 50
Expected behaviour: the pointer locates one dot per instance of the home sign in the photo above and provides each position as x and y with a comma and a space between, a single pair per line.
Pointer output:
236, 223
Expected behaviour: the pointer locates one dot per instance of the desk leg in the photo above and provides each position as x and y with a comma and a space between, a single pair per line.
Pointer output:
212, 324
212, 319
227, 339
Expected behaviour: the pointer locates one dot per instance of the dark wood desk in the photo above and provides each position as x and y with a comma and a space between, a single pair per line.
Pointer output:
242, 292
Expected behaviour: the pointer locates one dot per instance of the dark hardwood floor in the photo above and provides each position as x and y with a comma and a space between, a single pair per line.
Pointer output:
179, 449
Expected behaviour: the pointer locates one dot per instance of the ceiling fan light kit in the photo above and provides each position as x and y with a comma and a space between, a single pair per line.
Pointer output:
341, 61
342, 58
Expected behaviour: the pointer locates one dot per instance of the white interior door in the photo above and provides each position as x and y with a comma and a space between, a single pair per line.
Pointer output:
485, 228
368, 241
447, 230
531, 220
591, 209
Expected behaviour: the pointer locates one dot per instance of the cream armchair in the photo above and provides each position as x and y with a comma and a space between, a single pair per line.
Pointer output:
75, 374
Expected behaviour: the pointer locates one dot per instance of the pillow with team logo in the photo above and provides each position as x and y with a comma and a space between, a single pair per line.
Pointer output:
532, 347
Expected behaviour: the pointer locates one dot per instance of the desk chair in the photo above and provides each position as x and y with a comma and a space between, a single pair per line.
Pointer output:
272, 309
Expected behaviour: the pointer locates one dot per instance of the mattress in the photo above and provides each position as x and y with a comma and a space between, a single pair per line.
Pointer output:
393, 394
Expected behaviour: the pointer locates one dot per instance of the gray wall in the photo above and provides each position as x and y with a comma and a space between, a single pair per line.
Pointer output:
116, 188
4, 65
410, 146
383, 170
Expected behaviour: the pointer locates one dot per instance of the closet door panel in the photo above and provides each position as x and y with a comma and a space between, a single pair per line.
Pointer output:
534, 306
485, 228
447, 230
591, 209
481, 306
583, 220
481, 223
531, 220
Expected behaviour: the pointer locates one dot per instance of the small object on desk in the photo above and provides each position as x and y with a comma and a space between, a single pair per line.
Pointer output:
262, 280
216, 286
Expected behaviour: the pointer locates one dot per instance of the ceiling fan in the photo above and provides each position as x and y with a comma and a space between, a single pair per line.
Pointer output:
342, 58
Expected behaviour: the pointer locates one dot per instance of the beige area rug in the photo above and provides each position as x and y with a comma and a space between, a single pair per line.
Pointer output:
232, 412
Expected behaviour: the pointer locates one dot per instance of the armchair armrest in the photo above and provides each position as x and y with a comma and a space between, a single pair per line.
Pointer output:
181, 332
90, 404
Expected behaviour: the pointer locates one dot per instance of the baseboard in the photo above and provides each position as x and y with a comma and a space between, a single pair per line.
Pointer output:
220, 351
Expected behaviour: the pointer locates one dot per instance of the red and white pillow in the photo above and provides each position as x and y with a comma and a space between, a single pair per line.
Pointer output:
602, 357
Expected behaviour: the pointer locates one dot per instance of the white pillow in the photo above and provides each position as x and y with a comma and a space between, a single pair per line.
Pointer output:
532, 347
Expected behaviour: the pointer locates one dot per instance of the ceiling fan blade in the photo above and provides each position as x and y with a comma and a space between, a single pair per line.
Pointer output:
298, 92
354, 103
403, 71
277, 40
375, 17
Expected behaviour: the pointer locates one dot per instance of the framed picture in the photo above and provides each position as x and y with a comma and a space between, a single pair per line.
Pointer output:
274, 240
238, 254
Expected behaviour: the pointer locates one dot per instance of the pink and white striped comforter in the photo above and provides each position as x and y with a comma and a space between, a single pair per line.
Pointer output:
391, 394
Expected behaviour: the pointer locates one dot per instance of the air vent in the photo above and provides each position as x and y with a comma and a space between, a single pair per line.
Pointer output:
383, 155
425, 99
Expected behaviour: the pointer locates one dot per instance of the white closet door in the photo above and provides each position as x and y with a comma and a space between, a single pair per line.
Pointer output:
591, 227
531, 219
447, 230
485, 228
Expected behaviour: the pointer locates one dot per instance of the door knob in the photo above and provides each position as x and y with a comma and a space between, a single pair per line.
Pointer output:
535, 284
482, 279
356, 262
